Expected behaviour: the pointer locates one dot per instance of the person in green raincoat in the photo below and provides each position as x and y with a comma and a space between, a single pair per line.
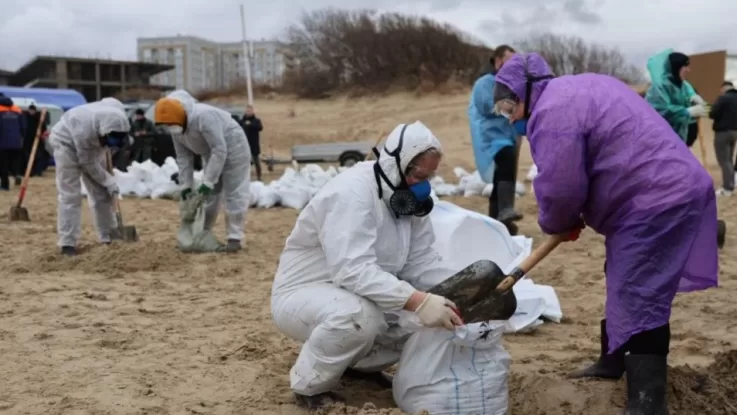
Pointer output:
670, 94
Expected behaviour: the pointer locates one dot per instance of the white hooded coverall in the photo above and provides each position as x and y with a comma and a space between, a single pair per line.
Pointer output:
213, 134
347, 261
78, 153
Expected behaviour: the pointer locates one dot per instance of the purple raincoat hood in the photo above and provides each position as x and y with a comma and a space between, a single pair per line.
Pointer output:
512, 75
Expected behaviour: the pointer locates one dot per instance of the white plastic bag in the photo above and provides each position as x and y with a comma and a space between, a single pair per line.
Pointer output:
460, 374
294, 197
267, 197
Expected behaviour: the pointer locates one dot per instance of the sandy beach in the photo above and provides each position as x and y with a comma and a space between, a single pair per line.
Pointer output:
144, 329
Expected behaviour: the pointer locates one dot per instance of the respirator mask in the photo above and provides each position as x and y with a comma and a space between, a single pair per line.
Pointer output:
174, 129
114, 140
406, 200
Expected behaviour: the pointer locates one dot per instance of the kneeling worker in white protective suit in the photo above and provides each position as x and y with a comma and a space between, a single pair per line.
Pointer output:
80, 140
353, 254
212, 133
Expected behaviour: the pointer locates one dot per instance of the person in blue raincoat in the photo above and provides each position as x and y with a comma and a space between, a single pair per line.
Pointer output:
670, 94
495, 144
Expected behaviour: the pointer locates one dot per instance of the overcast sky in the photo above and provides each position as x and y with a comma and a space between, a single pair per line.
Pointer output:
109, 28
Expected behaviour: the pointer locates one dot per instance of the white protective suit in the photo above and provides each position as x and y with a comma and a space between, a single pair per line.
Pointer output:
78, 153
348, 261
213, 134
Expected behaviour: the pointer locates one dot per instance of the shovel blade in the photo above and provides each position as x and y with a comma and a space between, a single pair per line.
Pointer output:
473, 290
19, 214
130, 234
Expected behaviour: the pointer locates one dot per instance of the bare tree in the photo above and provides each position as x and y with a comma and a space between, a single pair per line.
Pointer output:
570, 55
337, 49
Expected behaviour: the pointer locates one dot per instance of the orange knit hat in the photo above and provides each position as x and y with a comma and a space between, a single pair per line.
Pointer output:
169, 111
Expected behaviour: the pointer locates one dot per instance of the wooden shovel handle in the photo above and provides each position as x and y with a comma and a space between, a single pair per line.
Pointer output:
31, 159
109, 162
531, 261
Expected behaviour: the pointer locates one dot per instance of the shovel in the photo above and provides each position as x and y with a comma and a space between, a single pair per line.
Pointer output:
483, 292
18, 212
127, 233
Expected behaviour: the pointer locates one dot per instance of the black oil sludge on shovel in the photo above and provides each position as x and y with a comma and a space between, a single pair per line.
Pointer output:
483, 292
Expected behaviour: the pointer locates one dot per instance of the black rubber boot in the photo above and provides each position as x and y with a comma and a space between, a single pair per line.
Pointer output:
506, 193
68, 251
647, 377
233, 245
317, 401
608, 366
381, 379
721, 233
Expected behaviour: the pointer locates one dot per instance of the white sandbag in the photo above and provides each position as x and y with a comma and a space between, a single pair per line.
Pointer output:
520, 189
168, 190
460, 172
255, 191
446, 189
268, 197
463, 237
488, 188
294, 197
141, 189
467, 372
458, 374
331, 171
472, 184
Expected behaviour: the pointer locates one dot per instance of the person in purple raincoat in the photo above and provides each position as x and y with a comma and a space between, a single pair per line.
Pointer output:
607, 159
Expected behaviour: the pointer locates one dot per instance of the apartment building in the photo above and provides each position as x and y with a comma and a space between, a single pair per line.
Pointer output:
203, 64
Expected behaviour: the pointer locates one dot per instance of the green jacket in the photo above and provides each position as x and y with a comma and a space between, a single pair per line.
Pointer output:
671, 102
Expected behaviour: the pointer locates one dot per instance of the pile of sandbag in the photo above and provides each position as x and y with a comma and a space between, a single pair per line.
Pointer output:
293, 189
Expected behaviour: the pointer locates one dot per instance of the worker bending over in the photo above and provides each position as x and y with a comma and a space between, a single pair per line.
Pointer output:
357, 250
604, 156
80, 141
212, 133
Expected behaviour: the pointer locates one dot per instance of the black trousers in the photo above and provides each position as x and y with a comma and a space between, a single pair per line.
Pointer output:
11, 163
693, 134
40, 160
505, 170
256, 161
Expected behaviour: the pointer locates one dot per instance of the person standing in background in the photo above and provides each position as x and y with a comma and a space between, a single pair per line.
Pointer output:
12, 132
724, 114
142, 130
252, 126
671, 95
494, 142
33, 119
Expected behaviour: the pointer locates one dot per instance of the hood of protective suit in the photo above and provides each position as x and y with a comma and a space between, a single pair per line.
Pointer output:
113, 103
110, 119
185, 98
417, 139
512, 75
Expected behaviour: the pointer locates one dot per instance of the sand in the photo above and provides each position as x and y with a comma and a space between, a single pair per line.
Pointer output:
143, 329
